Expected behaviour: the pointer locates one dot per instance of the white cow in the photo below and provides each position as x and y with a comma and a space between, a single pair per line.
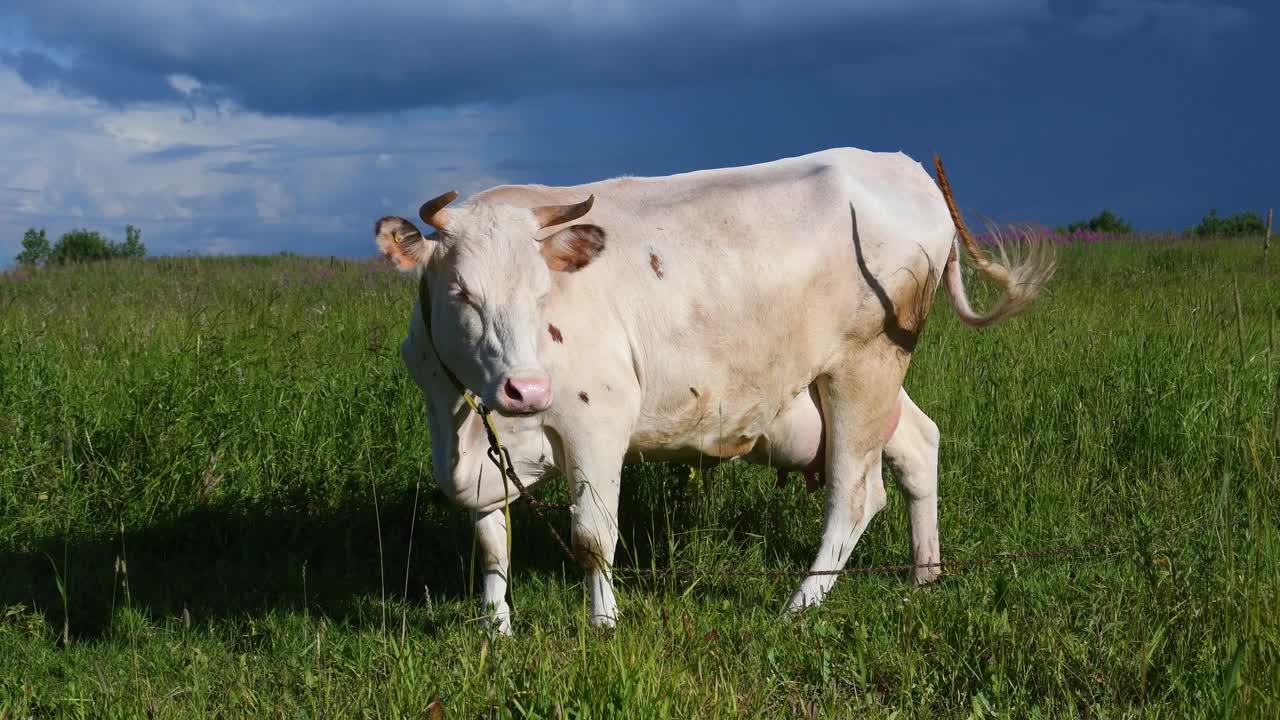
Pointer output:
702, 315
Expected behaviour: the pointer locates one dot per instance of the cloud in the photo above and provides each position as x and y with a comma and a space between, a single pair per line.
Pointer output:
250, 127
238, 124
181, 151
218, 180
183, 84
329, 57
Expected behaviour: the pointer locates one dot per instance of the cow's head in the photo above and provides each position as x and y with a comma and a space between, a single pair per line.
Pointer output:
488, 275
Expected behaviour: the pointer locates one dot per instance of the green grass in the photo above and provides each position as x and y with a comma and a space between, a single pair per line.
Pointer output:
209, 470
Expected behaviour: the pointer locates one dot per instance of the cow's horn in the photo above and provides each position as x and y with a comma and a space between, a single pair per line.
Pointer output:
549, 215
430, 210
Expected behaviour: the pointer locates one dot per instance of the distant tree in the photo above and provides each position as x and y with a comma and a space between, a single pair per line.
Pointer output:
1104, 222
35, 248
132, 246
1242, 224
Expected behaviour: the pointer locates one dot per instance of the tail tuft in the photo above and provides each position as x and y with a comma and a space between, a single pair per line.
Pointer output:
1021, 280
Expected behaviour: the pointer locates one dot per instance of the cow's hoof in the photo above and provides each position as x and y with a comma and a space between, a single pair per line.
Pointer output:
794, 613
925, 575
499, 621
797, 605
498, 627
604, 622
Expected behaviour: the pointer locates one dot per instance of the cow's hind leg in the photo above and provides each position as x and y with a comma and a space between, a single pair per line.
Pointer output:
912, 450
857, 400
491, 537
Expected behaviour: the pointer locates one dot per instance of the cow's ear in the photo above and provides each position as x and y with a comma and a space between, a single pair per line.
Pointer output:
573, 248
403, 243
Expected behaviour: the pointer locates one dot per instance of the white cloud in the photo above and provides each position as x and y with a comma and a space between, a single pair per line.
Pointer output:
193, 182
184, 84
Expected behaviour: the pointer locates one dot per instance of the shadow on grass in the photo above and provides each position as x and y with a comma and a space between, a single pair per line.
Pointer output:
225, 562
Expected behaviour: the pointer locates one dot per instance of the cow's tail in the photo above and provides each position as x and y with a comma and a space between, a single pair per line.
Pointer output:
1021, 281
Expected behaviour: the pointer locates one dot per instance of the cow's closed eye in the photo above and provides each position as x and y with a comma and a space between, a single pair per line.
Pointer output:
459, 291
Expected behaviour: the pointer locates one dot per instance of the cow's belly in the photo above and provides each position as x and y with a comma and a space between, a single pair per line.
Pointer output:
793, 441
711, 424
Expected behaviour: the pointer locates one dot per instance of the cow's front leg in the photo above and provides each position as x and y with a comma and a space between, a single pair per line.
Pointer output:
596, 479
491, 537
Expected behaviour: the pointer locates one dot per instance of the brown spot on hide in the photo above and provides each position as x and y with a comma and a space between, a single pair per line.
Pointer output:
695, 392
555, 333
582, 395
656, 264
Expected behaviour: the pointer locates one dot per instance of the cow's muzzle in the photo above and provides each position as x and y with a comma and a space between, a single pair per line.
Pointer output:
525, 394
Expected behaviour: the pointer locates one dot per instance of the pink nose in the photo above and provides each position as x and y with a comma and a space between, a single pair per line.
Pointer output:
528, 394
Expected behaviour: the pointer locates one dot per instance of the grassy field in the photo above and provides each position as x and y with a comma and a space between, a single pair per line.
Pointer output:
215, 501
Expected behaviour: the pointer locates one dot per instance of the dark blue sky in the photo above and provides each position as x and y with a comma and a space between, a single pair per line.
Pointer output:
222, 127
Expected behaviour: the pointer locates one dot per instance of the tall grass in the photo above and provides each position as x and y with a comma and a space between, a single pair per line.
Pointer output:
190, 450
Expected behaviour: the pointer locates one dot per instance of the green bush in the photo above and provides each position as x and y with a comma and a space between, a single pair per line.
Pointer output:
79, 246
1104, 222
1242, 224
